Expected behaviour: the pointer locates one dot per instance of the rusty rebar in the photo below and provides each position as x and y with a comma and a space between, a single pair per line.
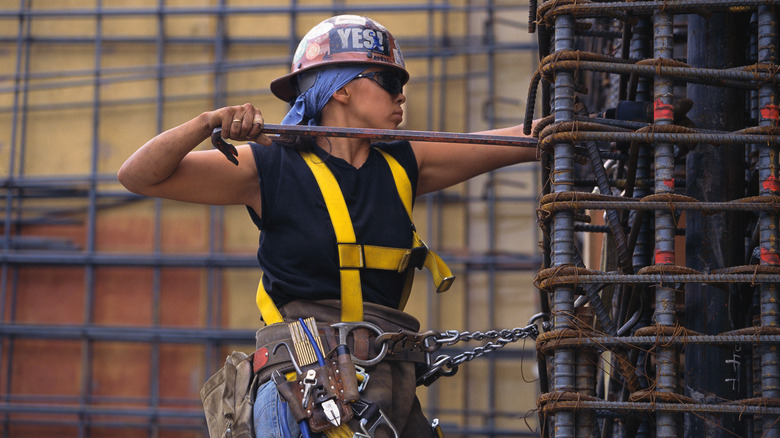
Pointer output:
398, 134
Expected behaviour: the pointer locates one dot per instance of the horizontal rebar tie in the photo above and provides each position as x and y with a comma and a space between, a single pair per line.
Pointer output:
671, 202
629, 10
561, 401
546, 279
574, 132
548, 345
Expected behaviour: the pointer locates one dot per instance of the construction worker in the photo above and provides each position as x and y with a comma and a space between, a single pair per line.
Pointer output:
348, 72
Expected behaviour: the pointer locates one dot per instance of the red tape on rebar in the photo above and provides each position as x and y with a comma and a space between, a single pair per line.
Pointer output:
770, 111
771, 183
664, 257
770, 257
662, 111
669, 183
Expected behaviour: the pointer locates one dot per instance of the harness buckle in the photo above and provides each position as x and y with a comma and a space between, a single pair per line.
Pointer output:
445, 284
413, 258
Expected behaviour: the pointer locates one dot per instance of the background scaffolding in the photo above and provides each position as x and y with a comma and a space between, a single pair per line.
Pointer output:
116, 308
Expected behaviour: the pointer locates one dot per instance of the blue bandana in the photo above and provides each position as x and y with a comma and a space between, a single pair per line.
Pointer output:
312, 101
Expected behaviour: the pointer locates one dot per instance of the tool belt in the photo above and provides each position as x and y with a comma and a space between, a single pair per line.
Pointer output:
391, 366
360, 337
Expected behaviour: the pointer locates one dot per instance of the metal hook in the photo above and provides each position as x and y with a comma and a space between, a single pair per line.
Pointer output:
292, 357
381, 420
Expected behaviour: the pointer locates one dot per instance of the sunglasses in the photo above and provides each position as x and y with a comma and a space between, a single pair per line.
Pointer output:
388, 80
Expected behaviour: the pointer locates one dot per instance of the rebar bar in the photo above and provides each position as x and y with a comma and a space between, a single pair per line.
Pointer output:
398, 134
768, 222
564, 373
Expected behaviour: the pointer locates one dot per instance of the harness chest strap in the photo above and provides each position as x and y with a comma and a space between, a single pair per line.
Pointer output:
353, 256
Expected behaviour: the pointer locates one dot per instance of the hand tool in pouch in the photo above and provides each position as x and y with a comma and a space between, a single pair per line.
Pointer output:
322, 388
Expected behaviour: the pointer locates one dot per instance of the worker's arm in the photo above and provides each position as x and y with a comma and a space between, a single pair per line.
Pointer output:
167, 167
444, 164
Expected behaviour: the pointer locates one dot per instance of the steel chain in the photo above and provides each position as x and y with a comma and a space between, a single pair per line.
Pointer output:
445, 365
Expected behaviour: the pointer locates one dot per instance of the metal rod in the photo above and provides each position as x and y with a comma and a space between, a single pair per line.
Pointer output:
664, 278
231, 10
633, 9
768, 222
666, 357
639, 341
393, 134
666, 407
562, 242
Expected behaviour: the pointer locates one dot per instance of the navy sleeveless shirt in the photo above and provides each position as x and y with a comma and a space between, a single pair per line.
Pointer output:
297, 251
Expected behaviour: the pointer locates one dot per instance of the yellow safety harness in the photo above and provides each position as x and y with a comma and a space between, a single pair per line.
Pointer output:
353, 256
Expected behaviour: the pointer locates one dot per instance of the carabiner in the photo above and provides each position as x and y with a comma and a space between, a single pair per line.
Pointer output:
380, 420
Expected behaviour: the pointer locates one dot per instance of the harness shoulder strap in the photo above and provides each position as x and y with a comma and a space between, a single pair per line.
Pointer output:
351, 291
442, 276
268, 309
402, 183
350, 260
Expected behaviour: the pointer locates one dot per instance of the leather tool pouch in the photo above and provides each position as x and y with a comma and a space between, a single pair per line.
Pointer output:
331, 387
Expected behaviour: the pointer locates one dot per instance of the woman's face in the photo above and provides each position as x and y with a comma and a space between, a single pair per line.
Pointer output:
371, 105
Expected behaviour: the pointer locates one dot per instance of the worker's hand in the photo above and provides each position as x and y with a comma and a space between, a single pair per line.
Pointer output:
240, 122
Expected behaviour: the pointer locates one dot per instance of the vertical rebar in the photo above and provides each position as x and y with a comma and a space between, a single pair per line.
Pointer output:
642, 255
154, 365
640, 49
585, 370
19, 106
490, 39
563, 227
768, 231
751, 160
666, 371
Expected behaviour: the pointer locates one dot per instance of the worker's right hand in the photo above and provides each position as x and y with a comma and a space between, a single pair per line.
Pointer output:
240, 122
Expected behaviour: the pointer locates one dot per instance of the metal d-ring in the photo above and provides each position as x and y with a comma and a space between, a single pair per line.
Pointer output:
345, 328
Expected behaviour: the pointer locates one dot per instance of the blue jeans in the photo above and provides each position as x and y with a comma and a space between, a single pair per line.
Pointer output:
269, 415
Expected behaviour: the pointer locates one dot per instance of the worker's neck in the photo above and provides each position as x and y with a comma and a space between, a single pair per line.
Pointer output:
352, 150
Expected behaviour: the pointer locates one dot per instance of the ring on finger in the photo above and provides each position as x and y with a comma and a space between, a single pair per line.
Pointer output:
236, 120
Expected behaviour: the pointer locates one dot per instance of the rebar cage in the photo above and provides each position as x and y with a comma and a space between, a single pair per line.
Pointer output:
668, 325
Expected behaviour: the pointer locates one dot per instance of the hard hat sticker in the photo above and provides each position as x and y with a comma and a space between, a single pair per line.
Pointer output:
349, 19
305, 46
312, 51
358, 39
